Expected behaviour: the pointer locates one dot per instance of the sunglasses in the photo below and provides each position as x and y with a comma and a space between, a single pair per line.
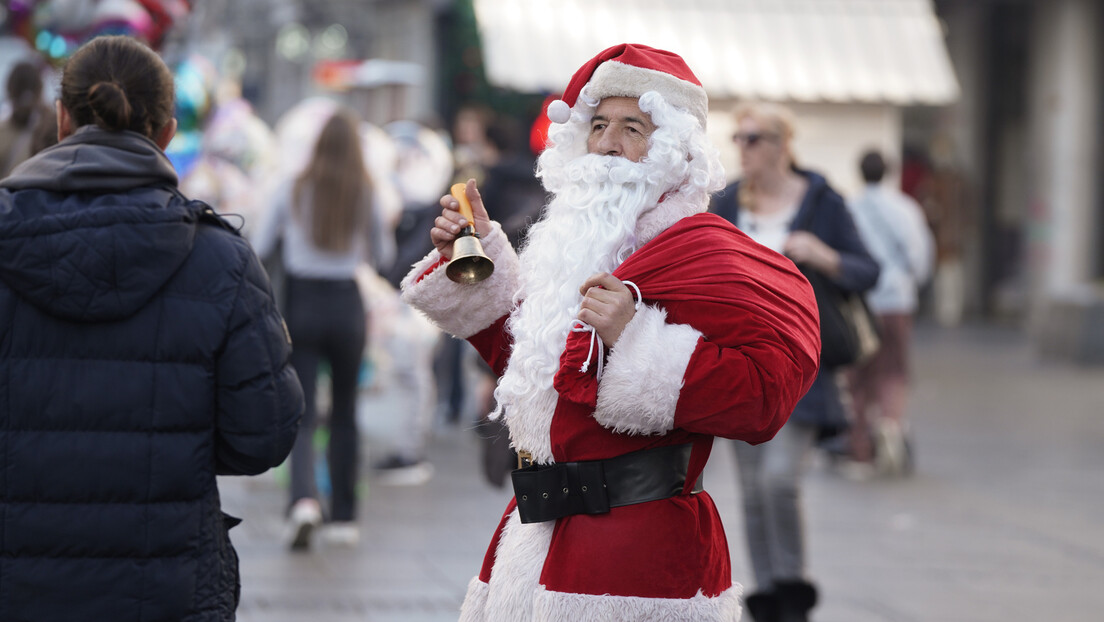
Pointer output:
751, 138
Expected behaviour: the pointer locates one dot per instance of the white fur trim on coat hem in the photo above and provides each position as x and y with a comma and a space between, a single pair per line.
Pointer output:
475, 601
515, 577
641, 382
561, 607
464, 310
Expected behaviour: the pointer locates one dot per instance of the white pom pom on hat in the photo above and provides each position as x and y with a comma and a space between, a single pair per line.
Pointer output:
630, 70
559, 111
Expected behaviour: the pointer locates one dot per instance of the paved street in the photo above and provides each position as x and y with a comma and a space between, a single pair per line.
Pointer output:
1003, 520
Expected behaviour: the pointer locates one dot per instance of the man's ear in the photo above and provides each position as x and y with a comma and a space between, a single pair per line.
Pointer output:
165, 136
64, 121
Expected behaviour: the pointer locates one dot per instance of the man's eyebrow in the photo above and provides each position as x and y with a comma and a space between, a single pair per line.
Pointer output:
636, 120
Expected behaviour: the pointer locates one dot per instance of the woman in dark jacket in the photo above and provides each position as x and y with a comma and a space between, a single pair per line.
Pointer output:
141, 355
794, 212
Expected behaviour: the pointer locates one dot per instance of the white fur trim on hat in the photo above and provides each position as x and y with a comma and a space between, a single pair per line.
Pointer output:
614, 79
464, 310
642, 380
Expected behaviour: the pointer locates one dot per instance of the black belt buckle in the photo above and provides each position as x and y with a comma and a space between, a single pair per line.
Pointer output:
549, 492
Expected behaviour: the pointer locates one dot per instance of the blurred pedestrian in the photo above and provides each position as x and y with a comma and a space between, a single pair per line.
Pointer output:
326, 221
45, 133
797, 213
143, 355
895, 230
24, 91
510, 185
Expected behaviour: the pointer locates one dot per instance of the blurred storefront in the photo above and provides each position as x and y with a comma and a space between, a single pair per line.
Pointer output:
848, 67
1025, 142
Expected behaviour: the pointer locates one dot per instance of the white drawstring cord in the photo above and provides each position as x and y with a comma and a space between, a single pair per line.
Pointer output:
639, 296
582, 327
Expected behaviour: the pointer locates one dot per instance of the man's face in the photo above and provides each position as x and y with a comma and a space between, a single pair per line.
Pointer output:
620, 128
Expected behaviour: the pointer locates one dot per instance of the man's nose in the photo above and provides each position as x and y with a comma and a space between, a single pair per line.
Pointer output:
607, 145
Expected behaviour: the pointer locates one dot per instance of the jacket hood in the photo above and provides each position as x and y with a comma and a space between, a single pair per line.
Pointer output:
94, 160
93, 227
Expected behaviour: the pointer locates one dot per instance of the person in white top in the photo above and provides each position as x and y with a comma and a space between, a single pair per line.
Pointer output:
328, 222
896, 233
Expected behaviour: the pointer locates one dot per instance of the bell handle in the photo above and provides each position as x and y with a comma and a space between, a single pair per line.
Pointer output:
457, 192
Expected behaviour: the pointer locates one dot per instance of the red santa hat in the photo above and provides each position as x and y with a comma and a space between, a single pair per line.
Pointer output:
630, 70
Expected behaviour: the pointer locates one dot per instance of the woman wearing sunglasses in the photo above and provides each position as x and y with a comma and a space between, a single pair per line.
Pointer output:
794, 212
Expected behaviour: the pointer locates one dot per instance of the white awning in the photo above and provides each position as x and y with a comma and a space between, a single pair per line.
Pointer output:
884, 51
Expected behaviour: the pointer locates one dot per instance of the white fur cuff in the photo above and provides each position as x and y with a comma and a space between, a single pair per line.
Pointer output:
642, 379
464, 310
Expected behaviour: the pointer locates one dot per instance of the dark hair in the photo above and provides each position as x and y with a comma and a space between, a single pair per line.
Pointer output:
24, 92
118, 83
873, 167
339, 185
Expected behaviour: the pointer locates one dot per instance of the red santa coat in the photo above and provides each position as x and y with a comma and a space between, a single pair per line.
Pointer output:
727, 343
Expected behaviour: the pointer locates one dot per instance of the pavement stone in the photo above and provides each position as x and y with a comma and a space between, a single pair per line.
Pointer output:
1002, 520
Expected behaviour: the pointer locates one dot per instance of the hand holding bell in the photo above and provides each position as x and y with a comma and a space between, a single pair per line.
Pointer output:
469, 263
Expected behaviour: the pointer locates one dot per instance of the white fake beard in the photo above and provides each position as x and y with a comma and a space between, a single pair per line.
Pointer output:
588, 227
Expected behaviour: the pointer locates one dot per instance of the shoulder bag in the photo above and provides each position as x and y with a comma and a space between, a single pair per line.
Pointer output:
848, 329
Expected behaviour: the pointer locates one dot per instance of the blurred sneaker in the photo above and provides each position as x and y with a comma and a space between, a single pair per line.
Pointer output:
341, 534
855, 471
304, 517
891, 455
400, 471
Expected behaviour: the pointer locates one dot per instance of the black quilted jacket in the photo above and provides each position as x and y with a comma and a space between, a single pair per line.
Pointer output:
141, 354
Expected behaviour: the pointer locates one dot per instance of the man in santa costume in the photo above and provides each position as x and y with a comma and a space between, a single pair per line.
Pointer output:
629, 331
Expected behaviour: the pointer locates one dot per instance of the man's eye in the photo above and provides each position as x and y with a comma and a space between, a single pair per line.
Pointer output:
597, 126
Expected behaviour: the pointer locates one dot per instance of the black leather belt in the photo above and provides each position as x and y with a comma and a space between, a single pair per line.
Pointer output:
548, 492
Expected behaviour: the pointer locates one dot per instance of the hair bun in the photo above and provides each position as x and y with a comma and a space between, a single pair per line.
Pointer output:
110, 106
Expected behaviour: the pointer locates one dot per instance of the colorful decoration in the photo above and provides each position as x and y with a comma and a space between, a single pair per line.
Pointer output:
56, 28
195, 79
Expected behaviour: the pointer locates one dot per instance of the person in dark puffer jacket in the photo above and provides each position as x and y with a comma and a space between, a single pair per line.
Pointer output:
141, 355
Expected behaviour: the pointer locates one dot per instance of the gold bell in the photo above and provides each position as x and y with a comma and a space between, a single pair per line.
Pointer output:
469, 264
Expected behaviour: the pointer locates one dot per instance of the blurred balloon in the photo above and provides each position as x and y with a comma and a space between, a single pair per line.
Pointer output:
235, 158
423, 167
237, 135
195, 79
56, 28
